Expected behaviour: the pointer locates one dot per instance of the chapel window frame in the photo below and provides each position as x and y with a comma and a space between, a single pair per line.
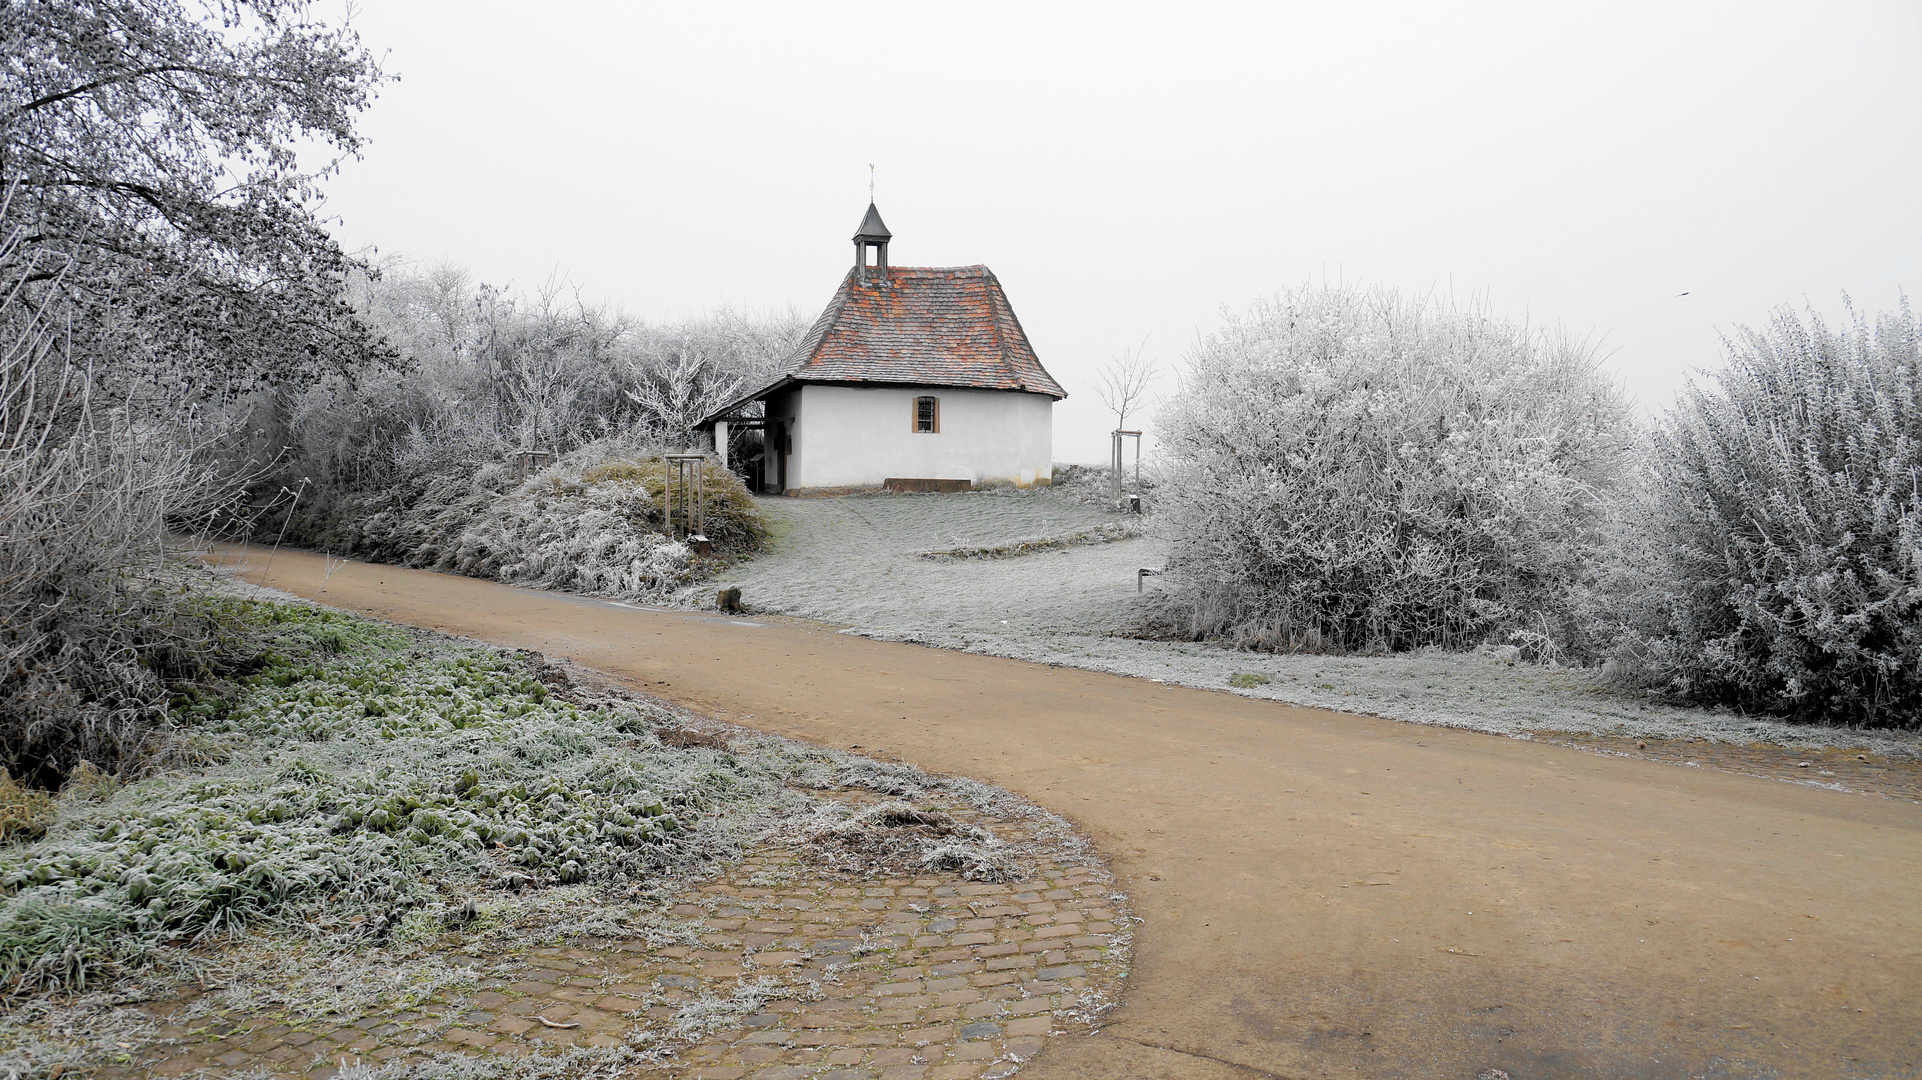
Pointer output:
928, 423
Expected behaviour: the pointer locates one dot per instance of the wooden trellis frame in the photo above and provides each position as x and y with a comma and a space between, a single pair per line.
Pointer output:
1115, 470
687, 474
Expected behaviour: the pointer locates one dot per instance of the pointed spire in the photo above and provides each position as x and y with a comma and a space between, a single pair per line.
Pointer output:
872, 229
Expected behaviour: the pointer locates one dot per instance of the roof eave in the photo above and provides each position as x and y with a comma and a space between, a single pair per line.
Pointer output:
1018, 388
779, 383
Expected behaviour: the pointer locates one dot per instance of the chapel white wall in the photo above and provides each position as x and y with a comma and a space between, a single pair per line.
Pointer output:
852, 436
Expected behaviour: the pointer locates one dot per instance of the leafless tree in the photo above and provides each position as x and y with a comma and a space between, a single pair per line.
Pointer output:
1122, 383
677, 374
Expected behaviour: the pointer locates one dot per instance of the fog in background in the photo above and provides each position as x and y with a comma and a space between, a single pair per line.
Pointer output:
1128, 170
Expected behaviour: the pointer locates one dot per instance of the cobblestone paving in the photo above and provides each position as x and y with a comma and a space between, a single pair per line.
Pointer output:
791, 971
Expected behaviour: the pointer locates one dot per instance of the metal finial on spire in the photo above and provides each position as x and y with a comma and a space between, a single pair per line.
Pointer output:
870, 181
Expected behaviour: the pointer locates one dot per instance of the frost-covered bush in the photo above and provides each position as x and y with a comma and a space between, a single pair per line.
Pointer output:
484, 374
91, 478
1786, 527
594, 523
417, 520
1344, 468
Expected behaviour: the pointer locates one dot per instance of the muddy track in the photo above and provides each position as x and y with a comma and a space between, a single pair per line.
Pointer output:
1332, 895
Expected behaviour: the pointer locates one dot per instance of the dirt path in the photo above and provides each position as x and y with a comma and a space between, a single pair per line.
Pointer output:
1328, 895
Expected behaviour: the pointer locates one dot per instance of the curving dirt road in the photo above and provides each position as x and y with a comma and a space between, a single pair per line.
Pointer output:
1330, 895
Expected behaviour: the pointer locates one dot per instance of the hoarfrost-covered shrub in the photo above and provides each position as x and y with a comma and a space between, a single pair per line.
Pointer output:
595, 524
1344, 468
92, 628
1787, 509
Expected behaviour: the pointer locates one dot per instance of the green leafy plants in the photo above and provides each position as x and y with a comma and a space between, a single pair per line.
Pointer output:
1244, 680
368, 770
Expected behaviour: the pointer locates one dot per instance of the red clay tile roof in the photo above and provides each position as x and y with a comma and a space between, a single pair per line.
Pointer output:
929, 326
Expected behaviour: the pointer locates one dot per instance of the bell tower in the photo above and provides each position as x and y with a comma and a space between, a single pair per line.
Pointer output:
872, 234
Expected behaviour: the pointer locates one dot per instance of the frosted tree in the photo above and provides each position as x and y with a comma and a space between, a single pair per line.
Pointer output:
674, 375
1347, 469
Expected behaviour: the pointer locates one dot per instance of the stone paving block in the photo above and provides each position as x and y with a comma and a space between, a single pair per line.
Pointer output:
898, 968
757, 1037
927, 1035
1031, 1025
1024, 1048
820, 1038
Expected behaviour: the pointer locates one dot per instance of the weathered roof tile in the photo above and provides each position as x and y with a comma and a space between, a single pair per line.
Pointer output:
927, 325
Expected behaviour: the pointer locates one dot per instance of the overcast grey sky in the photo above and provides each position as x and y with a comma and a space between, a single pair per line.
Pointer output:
1128, 170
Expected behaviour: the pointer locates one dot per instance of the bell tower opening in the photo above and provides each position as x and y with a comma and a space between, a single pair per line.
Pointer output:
872, 234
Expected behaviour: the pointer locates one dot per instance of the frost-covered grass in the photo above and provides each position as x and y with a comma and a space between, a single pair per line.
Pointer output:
365, 775
859, 560
855, 562
896, 839
1106, 533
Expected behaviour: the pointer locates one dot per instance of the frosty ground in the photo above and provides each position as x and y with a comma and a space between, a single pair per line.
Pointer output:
1039, 575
